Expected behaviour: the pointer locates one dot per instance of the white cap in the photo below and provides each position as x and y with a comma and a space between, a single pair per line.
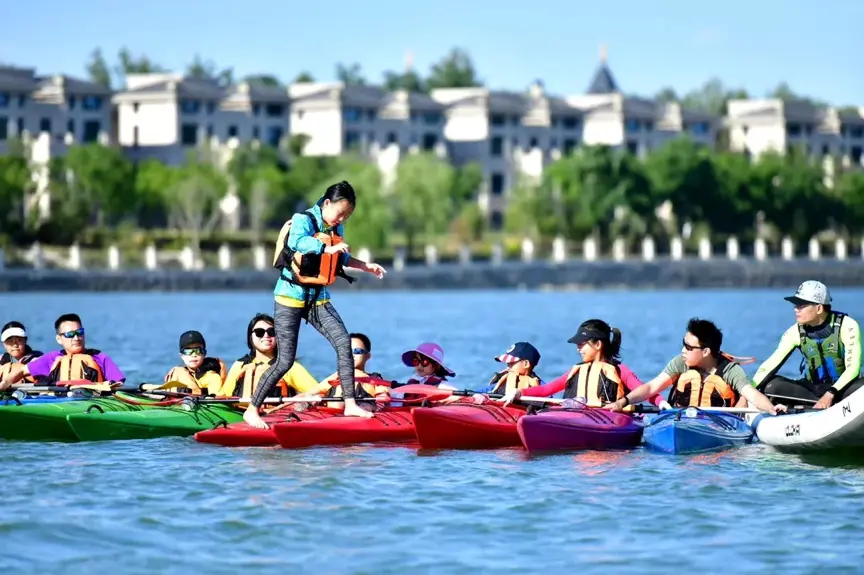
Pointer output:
811, 291
12, 332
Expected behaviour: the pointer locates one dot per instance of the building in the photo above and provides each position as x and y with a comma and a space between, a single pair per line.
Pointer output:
164, 116
759, 126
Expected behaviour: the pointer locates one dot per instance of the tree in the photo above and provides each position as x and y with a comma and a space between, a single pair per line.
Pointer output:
423, 204
712, 97
667, 95
785, 92
103, 176
850, 191
304, 78
129, 64
265, 79
208, 70
98, 70
15, 183
408, 80
350, 75
455, 70
153, 182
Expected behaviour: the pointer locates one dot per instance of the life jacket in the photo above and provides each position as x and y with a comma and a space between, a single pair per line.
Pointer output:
77, 366
695, 390
823, 359
309, 269
250, 375
361, 390
209, 376
598, 382
6, 364
506, 381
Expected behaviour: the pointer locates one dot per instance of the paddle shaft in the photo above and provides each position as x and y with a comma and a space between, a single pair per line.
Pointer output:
647, 408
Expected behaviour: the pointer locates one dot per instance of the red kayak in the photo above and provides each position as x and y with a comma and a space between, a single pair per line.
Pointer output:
244, 435
575, 429
467, 426
384, 426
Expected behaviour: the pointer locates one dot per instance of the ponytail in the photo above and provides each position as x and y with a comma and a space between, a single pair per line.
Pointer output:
614, 351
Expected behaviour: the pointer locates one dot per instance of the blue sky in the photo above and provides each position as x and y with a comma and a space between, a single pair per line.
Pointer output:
817, 47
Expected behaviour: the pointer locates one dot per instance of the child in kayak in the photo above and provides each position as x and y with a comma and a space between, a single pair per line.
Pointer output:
298, 299
601, 375
427, 359
14, 338
361, 348
703, 376
199, 374
521, 359
245, 375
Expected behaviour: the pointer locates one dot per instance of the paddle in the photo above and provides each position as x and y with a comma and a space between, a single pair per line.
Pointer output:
433, 393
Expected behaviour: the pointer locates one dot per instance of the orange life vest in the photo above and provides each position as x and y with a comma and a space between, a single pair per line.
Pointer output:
506, 381
361, 390
309, 269
250, 375
6, 364
77, 366
598, 382
694, 390
192, 381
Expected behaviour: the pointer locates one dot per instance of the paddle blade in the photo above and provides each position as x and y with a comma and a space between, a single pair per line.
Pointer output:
429, 392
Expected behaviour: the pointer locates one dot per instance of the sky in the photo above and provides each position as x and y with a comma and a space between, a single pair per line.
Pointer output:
815, 47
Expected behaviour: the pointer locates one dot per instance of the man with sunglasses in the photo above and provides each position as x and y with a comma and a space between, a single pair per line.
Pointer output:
704, 376
361, 349
74, 361
830, 345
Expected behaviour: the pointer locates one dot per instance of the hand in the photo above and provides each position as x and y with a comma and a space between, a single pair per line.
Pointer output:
778, 409
5, 385
510, 397
616, 407
338, 248
825, 401
376, 269
664, 405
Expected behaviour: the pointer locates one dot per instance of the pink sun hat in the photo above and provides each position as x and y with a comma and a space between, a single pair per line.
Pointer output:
431, 350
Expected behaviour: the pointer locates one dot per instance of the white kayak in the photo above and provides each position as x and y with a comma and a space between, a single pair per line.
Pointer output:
838, 427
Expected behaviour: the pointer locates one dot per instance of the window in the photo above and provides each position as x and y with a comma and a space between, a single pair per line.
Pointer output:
20, 126
189, 106
855, 155
351, 140
826, 150
91, 131
256, 133
4, 99
553, 143
496, 186
232, 131
496, 222
498, 120
533, 143
4, 128
569, 145
514, 120
256, 109
22, 100
209, 131
351, 115
699, 128
571, 123
793, 129
189, 134
211, 107
135, 106
274, 110
371, 115
631, 125
274, 135
429, 141
70, 102
391, 138
496, 146
432, 118
45, 125
856, 132
91, 103
70, 127
632, 147
135, 136
649, 126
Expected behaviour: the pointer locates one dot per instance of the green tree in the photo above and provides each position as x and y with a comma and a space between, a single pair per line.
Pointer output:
667, 95
97, 68
350, 75
104, 176
265, 79
153, 183
304, 78
850, 191
454, 70
408, 80
712, 97
422, 197
208, 70
15, 183
127, 64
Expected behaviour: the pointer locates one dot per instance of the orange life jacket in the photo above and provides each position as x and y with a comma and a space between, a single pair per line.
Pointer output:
361, 390
506, 381
694, 390
598, 382
192, 381
6, 364
77, 366
309, 269
250, 375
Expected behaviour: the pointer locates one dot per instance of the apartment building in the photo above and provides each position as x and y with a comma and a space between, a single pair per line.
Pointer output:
758, 126
164, 116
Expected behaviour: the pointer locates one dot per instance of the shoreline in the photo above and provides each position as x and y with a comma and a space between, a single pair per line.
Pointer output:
538, 275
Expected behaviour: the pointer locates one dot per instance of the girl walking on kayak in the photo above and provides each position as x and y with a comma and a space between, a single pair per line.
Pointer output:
310, 258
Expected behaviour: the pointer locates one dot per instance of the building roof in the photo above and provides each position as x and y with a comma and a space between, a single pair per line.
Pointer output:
72, 85
603, 82
17, 79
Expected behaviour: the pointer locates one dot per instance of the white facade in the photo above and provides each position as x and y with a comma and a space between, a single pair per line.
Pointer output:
759, 126
164, 116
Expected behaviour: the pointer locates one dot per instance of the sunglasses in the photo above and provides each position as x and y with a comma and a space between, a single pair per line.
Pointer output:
260, 331
71, 334
193, 351
359, 351
420, 360
689, 347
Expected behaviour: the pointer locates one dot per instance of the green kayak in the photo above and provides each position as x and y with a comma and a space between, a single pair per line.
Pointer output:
175, 421
47, 421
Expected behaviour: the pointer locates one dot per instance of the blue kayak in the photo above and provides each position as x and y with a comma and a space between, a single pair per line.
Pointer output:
37, 399
694, 430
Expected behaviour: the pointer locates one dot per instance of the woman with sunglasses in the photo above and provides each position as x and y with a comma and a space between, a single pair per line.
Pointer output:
244, 376
14, 338
199, 374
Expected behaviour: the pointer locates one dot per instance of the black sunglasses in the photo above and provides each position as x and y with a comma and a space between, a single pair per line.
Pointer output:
260, 331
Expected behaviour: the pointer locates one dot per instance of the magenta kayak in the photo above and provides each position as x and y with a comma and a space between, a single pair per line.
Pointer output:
573, 429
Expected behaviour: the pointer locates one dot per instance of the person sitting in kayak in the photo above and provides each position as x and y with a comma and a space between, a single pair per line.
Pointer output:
427, 359
702, 376
14, 338
361, 348
73, 362
198, 372
600, 376
521, 360
244, 375
830, 345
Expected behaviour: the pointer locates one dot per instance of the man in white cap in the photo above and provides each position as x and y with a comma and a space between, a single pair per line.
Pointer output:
830, 343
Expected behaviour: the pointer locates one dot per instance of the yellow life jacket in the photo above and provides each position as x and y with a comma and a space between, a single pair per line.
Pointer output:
249, 377
74, 367
694, 390
209, 376
598, 382
507, 381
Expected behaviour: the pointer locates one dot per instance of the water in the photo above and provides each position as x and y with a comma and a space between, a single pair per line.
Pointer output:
176, 506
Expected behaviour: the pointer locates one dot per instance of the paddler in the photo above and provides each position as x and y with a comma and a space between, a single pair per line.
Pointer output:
702, 376
361, 348
74, 361
830, 345
601, 377
297, 298
13, 335
198, 374
427, 359
245, 375
521, 360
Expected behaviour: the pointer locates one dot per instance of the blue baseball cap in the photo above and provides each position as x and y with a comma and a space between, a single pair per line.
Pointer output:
519, 351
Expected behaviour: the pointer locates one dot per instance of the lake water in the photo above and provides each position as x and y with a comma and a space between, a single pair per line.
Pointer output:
176, 506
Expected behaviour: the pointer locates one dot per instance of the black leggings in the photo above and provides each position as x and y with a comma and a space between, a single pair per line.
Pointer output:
779, 389
287, 324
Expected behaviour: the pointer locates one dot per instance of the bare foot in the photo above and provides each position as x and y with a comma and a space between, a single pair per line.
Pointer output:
252, 417
354, 410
